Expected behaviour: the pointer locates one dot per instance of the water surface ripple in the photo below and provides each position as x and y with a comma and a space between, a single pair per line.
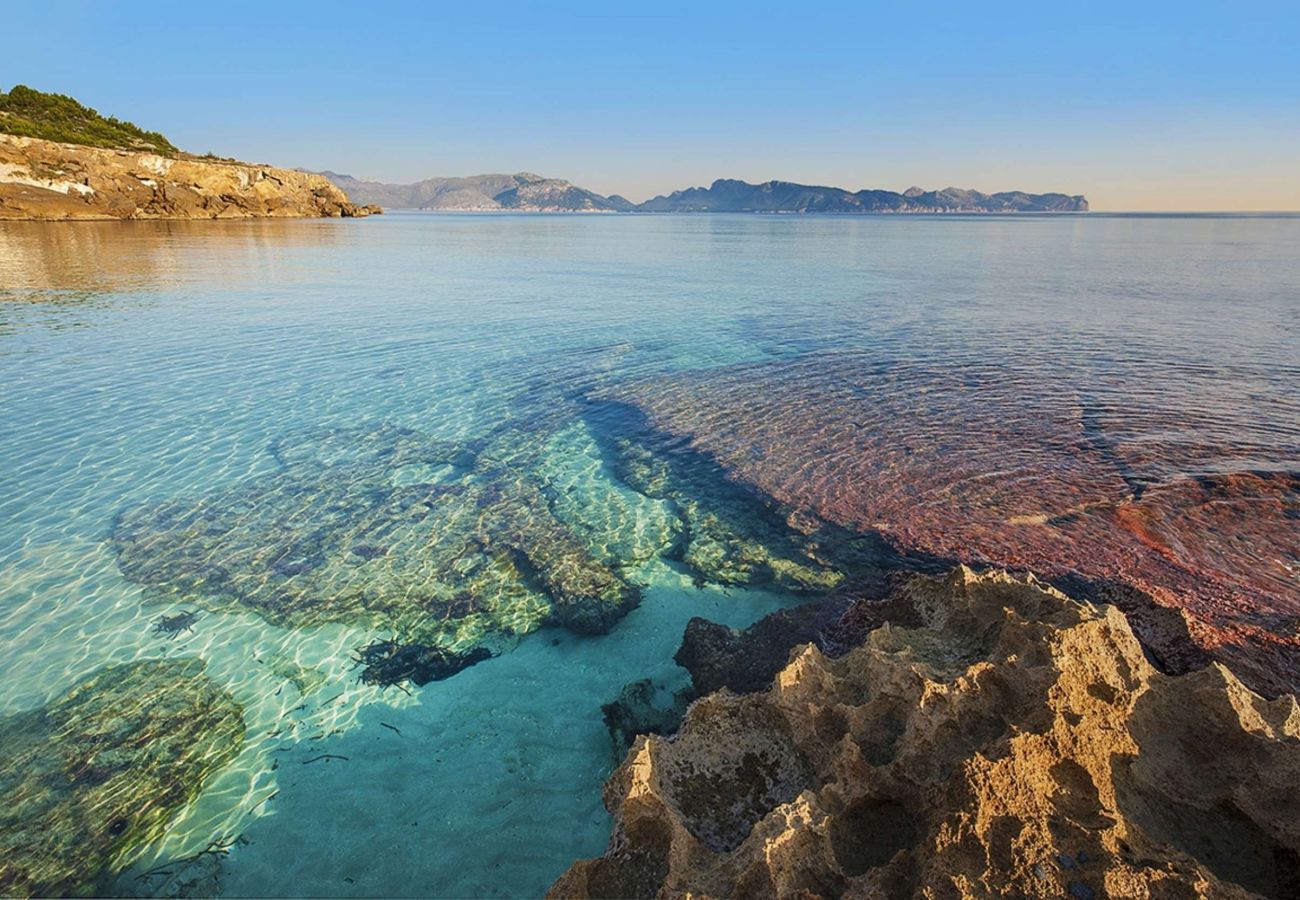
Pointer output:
472, 431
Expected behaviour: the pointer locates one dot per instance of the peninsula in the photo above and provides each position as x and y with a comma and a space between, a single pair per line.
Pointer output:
60, 160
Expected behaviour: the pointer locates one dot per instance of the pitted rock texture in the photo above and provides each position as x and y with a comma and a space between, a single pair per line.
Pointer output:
1016, 744
48, 180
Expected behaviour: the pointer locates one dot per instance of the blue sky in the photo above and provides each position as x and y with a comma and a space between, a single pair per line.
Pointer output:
1138, 105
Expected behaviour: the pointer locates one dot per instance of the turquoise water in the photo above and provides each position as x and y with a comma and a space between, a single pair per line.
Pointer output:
270, 379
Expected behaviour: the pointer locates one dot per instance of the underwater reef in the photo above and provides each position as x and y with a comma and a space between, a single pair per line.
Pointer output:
453, 548
437, 543
103, 769
731, 533
1182, 510
898, 731
1014, 742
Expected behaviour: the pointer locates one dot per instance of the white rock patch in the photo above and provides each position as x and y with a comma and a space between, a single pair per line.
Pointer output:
13, 174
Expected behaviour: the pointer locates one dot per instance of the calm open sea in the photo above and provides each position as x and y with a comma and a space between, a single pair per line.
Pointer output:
243, 419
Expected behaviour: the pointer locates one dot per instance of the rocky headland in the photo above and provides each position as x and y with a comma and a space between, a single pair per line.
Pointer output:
521, 192
732, 195
60, 160
1010, 742
46, 180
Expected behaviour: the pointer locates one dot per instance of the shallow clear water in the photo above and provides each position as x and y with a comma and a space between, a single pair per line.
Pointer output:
146, 362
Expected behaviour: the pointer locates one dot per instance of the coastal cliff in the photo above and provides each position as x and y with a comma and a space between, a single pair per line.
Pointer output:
49, 180
1014, 742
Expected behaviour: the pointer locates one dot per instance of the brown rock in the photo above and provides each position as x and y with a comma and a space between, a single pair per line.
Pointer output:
47, 180
1016, 743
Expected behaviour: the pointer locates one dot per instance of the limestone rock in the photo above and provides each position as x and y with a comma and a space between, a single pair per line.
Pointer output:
746, 660
1015, 743
48, 180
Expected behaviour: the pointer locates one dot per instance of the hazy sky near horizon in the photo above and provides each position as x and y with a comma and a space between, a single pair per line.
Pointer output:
1172, 106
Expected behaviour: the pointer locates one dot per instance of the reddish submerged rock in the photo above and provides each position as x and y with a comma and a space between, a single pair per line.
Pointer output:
1147, 504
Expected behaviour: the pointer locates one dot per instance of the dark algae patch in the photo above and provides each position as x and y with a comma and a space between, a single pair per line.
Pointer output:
103, 769
388, 663
176, 624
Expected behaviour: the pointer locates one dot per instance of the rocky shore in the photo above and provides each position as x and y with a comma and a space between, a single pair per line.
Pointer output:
1121, 724
1012, 742
46, 180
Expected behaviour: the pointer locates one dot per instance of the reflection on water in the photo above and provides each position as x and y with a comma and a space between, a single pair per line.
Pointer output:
356, 457
80, 262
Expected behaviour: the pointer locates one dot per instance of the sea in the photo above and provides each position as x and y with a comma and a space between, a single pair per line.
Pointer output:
323, 437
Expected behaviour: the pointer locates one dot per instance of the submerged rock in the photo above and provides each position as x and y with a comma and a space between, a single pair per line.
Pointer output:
641, 708
730, 532
104, 768
747, 660
389, 663
1018, 469
446, 546
384, 528
1011, 730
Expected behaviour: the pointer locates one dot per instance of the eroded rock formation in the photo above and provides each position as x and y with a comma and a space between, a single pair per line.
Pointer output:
48, 180
1015, 743
103, 769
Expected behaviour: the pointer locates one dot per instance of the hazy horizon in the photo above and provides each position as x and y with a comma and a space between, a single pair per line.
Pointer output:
1164, 107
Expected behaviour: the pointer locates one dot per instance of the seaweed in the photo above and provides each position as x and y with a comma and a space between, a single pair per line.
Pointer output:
388, 663
172, 626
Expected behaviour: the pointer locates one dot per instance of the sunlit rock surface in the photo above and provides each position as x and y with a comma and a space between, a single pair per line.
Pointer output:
1192, 509
46, 180
1015, 743
103, 769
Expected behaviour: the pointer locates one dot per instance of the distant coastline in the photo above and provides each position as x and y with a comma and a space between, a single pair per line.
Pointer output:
60, 159
527, 192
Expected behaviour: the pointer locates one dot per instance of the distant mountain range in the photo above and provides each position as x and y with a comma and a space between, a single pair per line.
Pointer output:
533, 193
729, 195
523, 191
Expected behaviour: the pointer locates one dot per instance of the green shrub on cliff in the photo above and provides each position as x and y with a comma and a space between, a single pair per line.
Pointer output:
55, 117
